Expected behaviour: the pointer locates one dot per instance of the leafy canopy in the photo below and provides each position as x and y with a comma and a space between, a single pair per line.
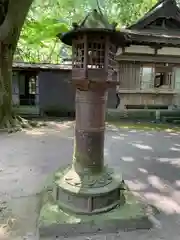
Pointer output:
47, 18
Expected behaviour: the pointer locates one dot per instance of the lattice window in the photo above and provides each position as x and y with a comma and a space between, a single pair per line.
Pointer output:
96, 53
78, 52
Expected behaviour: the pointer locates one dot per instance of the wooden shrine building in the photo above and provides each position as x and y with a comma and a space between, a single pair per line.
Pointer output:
149, 66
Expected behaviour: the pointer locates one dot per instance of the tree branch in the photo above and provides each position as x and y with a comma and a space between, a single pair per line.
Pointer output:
14, 19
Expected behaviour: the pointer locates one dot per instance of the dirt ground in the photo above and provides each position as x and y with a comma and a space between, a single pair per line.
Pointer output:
26, 160
150, 165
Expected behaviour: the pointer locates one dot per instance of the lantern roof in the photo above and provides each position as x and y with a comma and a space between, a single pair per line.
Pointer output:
94, 22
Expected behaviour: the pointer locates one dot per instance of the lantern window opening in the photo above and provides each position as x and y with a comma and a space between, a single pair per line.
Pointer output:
78, 54
96, 54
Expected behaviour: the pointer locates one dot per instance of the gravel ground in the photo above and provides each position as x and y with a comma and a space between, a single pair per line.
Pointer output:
149, 161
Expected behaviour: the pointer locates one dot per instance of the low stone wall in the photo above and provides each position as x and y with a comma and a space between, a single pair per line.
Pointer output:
26, 110
140, 98
59, 112
141, 114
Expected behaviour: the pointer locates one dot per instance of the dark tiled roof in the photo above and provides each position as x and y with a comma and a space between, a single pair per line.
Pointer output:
160, 25
163, 9
45, 66
155, 37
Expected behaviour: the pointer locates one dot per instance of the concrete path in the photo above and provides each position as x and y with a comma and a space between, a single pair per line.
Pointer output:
150, 164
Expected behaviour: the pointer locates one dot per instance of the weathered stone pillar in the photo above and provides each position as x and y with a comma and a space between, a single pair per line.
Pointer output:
89, 187
89, 131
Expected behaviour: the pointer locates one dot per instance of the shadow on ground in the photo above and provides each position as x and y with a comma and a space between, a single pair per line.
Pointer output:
150, 164
148, 160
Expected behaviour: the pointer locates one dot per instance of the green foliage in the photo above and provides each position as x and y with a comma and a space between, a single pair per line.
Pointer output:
47, 18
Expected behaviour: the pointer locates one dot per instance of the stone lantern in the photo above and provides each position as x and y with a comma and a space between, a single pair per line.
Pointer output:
88, 186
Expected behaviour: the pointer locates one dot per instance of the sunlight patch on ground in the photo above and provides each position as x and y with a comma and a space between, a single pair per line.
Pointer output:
149, 134
177, 183
139, 141
142, 170
164, 160
177, 145
173, 161
106, 152
133, 131
128, 159
174, 134
3, 232
123, 135
5, 229
168, 130
117, 138
164, 203
136, 185
72, 138
35, 132
157, 183
175, 149
61, 125
141, 146
176, 196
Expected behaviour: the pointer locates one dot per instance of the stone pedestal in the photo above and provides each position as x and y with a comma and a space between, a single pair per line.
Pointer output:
88, 187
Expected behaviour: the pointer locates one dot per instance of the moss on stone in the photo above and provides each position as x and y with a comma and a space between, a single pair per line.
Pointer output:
54, 222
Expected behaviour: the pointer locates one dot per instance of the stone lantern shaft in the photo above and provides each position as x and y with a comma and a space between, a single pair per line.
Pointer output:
89, 131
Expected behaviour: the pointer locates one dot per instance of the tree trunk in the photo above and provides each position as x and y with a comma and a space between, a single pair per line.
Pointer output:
6, 115
8, 119
10, 29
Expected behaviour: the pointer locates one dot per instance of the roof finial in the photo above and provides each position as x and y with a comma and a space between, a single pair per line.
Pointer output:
98, 5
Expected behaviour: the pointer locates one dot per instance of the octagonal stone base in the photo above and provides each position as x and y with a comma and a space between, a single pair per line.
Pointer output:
86, 193
54, 223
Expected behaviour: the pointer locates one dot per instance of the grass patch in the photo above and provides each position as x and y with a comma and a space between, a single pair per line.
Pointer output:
145, 126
